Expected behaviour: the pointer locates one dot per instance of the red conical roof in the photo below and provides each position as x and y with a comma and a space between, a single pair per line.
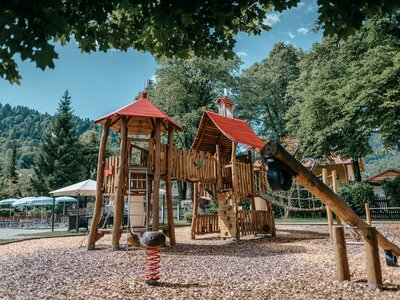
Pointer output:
141, 113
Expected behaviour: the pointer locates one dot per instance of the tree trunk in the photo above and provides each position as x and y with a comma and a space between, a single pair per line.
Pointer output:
182, 189
357, 172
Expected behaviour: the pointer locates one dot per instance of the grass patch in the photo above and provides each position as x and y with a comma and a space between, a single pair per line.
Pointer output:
6, 241
53, 233
301, 220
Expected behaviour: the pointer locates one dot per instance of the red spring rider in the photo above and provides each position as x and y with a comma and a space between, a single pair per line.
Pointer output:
153, 241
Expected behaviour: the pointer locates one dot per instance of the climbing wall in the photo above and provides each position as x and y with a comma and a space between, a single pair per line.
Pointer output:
227, 212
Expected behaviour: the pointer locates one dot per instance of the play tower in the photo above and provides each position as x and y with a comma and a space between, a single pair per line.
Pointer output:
131, 180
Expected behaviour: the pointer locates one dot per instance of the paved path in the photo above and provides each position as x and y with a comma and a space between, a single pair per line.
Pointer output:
13, 233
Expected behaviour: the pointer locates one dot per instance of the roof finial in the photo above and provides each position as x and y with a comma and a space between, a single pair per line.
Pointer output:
144, 95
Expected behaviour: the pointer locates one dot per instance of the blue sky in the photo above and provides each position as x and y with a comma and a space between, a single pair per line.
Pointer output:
102, 82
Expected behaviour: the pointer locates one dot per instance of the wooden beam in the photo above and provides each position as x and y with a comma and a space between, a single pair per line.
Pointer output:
156, 178
218, 167
235, 187
118, 211
374, 272
328, 210
342, 262
195, 208
368, 214
335, 190
170, 211
324, 193
250, 160
115, 121
99, 193
140, 140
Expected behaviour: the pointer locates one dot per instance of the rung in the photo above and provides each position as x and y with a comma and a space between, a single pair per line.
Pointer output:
138, 179
144, 201
138, 215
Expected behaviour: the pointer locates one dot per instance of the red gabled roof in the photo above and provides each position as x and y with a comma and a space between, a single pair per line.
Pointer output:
234, 129
225, 100
140, 108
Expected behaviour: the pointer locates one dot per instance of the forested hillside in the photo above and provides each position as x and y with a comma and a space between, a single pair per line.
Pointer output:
22, 127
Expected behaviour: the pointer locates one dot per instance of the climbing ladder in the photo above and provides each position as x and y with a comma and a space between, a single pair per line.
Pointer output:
138, 197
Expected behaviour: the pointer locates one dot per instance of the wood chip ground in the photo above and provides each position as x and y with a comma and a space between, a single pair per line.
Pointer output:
297, 264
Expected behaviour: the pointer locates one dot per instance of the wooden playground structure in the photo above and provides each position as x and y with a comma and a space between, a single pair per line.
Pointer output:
131, 182
212, 165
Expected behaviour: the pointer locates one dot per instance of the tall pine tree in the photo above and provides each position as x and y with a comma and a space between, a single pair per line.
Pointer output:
57, 160
11, 167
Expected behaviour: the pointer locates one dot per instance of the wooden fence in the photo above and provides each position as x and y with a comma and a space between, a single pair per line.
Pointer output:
203, 224
253, 222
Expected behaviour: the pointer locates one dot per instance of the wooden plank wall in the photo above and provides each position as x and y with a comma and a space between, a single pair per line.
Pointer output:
252, 222
244, 179
111, 165
191, 165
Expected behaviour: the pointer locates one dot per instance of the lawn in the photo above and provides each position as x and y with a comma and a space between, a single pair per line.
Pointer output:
54, 233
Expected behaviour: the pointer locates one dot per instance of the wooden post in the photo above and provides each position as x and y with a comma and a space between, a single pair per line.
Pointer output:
170, 210
335, 190
250, 160
195, 208
374, 272
157, 162
235, 188
99, 193
323, 192
368, 214
119, 199
339, 245
328, 210
219, 168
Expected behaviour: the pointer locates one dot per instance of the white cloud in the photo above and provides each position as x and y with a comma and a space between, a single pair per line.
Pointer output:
302, 30
300, 4
272, 18
311, 7
242, 53
291, 35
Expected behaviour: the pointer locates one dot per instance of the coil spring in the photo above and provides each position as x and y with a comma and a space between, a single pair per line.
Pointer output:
152, 268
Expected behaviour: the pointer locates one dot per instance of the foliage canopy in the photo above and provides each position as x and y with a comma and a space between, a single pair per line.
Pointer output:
165, 28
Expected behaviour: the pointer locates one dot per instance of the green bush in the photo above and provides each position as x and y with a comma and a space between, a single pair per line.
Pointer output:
245, 203
35, 212
188, 216
392, 191
213, 207
356, 195
5, 212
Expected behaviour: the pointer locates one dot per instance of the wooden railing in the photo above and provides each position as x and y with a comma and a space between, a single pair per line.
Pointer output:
203, 224
244, 172
261, 180
255, 222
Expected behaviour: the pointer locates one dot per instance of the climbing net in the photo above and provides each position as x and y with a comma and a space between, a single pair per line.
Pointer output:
298, 198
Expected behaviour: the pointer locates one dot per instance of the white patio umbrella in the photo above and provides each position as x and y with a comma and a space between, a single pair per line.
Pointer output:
84, 188
9, 202
65, 199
